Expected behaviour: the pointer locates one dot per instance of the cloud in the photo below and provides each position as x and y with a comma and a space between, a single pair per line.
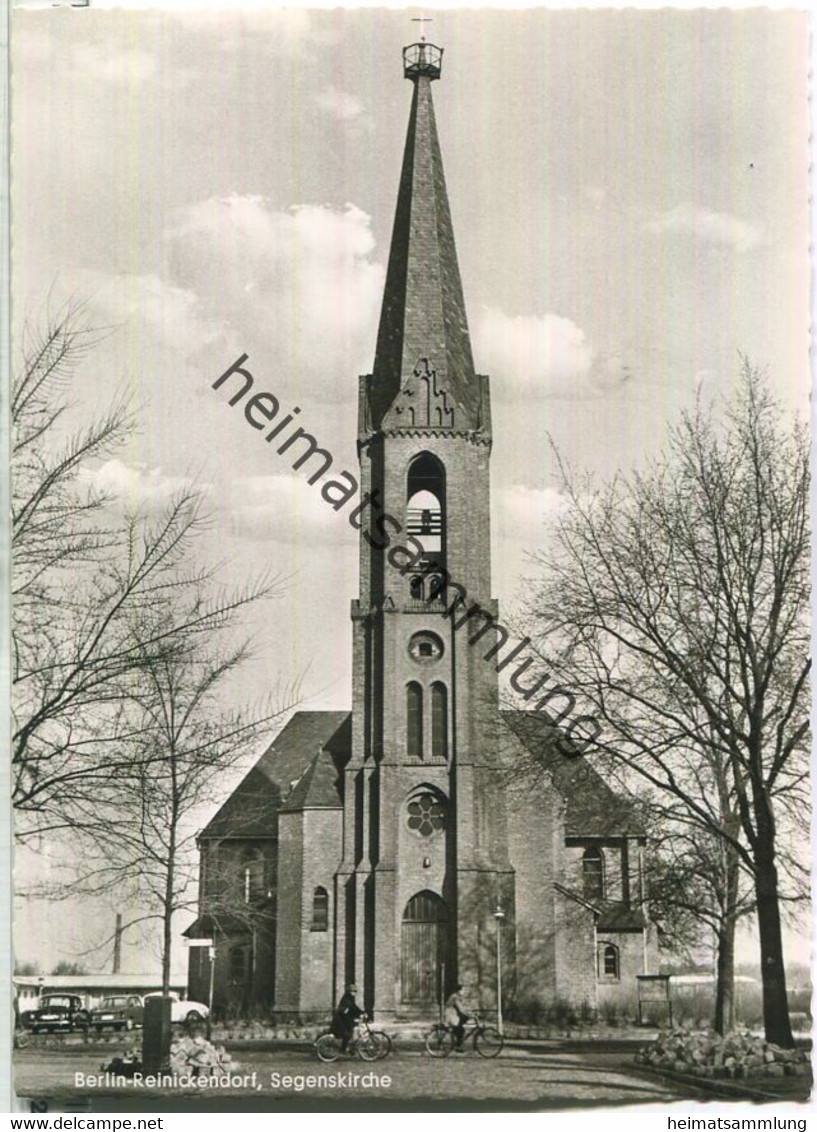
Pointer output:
543, 355
135, 486
534, 349
337, 104
300, 284
717, 228
285, 508
151, 309
521, 512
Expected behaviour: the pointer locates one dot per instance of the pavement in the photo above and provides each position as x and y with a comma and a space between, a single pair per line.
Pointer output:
290, 1080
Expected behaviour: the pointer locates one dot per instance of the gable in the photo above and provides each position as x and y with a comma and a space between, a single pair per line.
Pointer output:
251, 810
593, 809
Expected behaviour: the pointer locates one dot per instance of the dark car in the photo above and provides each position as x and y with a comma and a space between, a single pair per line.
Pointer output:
118, 1012
57, 1012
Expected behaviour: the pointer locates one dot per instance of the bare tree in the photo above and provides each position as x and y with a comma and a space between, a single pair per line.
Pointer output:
81, 576
697, 893
182, 740
676, 603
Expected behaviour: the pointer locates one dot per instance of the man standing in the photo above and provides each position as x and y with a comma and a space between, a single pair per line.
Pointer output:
456, 1016
345, 1016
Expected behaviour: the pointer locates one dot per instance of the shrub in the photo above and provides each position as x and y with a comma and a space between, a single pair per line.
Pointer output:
529, 1011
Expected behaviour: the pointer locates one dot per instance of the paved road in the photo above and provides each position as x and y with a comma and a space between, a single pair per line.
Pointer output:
547, 1080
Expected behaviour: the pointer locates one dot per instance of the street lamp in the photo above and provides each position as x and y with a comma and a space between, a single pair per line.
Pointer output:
499, 916
212, 954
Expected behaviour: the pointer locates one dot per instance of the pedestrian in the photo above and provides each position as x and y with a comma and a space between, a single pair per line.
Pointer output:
345, 1016
456, 1015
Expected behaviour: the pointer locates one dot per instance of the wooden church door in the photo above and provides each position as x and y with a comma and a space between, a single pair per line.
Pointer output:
425, 929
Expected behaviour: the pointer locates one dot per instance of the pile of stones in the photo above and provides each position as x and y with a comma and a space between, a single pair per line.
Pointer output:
192, 1055
739, 1054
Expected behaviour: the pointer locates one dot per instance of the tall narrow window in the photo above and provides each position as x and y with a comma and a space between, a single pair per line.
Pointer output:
593, 873
608, 962
417, 588
439, 721
414, 721
253, 875
320, 910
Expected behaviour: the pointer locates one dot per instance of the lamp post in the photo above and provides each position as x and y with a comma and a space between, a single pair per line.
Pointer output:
499, 916
212, 954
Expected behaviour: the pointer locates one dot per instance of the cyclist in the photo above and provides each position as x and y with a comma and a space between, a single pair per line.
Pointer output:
456, 1016
345, 1017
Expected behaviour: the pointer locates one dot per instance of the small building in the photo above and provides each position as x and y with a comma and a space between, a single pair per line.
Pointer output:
91, 988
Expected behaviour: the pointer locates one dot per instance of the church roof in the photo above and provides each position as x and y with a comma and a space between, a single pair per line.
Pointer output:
620, 918
593, 808
251, 809
423, 313
317, 788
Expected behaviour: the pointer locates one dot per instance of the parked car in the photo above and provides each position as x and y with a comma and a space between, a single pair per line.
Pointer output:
118, 1012
183, 1009
57, 1012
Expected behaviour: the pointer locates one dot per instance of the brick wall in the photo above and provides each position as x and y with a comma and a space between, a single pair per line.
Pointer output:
622, 991
322, 832
534, 828
288, 935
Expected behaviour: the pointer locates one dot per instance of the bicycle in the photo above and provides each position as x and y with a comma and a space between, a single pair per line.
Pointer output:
487, 1040
366, 1043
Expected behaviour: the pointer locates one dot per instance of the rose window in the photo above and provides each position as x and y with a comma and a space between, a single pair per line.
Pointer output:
426, 815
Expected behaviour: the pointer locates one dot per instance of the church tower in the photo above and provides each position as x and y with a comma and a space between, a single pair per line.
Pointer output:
425, 856
387, 846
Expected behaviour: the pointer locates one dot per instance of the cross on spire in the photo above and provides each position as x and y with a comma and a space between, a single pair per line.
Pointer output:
422, 20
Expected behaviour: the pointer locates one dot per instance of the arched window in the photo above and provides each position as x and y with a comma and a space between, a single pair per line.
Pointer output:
425, 506
436, 587
414, 721
417, 593
608, 962
320, 910
439, 721
593, 873
253, 876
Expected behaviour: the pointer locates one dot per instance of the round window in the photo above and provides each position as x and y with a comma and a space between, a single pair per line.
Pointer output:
426, 814
425, 646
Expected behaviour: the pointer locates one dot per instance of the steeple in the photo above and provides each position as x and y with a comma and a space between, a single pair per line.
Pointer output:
424, 368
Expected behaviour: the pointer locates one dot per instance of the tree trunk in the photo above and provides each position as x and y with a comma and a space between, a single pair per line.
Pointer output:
167, 935
170, 878
167, 912
775, 999
725, 984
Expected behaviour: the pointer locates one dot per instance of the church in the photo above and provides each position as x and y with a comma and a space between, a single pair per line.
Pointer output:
426, 837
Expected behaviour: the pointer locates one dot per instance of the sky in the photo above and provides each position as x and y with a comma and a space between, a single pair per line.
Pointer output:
629, 194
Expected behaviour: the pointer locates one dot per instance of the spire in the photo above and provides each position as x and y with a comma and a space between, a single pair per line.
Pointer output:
424, 367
